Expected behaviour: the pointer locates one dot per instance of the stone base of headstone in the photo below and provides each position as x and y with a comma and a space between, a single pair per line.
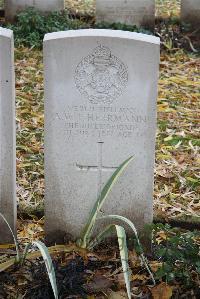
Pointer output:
58, 237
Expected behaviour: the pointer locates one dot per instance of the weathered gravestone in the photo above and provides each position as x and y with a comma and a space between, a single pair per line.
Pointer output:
100, 109
13, 7
190, 12
7, 135
130, 12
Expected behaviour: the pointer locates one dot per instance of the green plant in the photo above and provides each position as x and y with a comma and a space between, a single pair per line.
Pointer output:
86, 240
13, 235
85, 236
20, 258
31, 26
121, 26
49, 266
179, 253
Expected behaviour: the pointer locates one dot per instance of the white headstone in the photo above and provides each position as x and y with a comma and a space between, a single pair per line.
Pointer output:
190, 12
13, 7
100, 109
130, 12
7, 135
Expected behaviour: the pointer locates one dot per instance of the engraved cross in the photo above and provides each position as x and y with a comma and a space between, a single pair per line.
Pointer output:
99, 167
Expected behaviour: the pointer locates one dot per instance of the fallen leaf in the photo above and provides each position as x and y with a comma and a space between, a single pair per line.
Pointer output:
162, 291
141, 277
118, 295
155, 265
98, 284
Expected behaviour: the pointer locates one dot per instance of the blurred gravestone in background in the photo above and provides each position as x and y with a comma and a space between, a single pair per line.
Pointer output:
131, 12
190, 12
13, 7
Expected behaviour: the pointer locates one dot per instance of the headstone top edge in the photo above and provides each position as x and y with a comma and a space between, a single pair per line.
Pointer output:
6, 32
102, 33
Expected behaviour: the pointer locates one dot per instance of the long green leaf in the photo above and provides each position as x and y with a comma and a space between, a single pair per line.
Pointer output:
49, 266
121, 235
15, 240
132, 226
87, 231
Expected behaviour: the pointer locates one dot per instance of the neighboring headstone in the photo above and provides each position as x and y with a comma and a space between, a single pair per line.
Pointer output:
190, 12
7, 135
130, 12
13, 7
100, 109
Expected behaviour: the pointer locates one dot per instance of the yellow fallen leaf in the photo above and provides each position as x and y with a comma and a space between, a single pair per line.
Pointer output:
117, 295
168, 138
155, 265
163, 107
139, 277
162, 235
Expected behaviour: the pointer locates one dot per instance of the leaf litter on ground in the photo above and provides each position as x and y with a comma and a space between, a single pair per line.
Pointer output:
176, 175
176, 192
177, 184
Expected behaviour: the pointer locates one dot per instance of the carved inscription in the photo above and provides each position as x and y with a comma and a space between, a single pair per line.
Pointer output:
102, 121
101, 77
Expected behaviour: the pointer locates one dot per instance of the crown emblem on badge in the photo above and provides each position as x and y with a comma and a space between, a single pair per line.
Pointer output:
102, 55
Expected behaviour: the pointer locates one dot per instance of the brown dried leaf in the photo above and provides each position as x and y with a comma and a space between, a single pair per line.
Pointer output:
162, 291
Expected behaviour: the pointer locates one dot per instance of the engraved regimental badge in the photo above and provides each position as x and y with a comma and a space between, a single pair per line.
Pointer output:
101, 77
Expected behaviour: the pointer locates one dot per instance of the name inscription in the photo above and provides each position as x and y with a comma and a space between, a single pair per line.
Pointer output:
102, 121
